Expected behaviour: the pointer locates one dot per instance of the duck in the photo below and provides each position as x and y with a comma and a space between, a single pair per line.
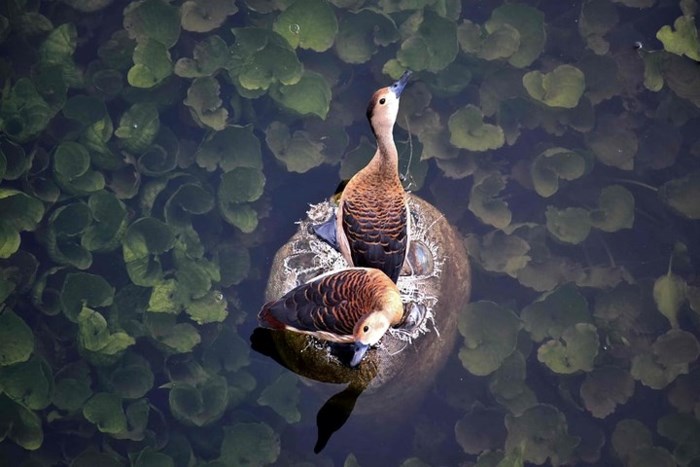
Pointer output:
371, 226
354, 306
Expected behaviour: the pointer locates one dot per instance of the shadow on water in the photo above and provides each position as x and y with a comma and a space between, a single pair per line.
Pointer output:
336, 411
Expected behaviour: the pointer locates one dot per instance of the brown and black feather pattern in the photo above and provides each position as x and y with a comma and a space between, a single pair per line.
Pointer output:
331, 304
376, 229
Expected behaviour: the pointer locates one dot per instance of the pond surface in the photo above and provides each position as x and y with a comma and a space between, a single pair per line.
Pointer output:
155, 155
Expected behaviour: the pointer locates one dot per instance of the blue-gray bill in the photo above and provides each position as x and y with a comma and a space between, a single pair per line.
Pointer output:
360, 351
398, 86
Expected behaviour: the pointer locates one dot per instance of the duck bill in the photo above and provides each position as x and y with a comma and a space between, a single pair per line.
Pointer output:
360, 351
399, 86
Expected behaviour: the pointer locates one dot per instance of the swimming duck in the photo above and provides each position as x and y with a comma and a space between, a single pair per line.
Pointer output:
353, 305
372, 221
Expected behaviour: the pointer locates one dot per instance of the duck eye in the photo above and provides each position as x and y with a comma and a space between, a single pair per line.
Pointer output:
366, 328
382, 101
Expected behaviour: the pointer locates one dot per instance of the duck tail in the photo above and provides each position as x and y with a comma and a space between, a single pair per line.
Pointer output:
268, 320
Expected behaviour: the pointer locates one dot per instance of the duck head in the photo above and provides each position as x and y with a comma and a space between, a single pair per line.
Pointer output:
384, 105
372, 327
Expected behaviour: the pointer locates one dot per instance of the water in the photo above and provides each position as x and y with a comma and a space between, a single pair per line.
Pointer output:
557, 138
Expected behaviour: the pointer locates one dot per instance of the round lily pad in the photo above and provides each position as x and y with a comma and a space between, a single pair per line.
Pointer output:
574, 351
569, 225
82, 288
490, 335
282, 396
249, 443
206, 15
199, 405
684, 40
106, 412
361, 33
16, 339
309, 24
552, 165
683, 195
562, 87
615, 209
485, 203
154, 20
468, 130
205, 104
310, 95
554, 312
529, 22
297, 151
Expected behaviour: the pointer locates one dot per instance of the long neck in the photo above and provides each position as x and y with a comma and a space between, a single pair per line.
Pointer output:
386, 160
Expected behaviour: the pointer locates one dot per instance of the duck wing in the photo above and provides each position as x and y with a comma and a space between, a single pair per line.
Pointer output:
377, 234
330, 303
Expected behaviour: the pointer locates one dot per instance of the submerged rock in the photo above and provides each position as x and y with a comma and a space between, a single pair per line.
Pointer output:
436, 288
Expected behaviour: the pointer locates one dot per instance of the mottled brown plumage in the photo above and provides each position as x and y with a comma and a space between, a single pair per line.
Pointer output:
372, 220
354, 305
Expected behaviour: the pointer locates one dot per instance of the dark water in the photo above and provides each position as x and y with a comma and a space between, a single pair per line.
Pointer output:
558, 138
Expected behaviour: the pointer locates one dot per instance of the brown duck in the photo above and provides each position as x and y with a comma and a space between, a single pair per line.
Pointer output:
354, 305
372, 222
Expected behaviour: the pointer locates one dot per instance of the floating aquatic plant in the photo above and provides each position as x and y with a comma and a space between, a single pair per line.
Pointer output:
144, 146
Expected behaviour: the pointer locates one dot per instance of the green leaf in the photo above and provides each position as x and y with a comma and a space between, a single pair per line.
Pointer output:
58, 49
29, 384
468, 130
210, 308
199, 405
234, 146
242, 216
260, 58
298, 152
70, 394
206, 15
543, 432
138, 127
529, 22
575, 350
62, 241
188, 200
16, 339
148, 457
84, 289
208, 56
21, 425
552, 165
152, 64
669, 295
684, 40
361, 33
20, 211
174, 337
309, 24
569, 225
490, 334
234, 262
153, 19
432, 44
605, 388
554, 312
562, 87
106, 412
241, 185
133, 378
484, 201
249, 444
165, 297
108, 225
97, 343
613, 144
145, 239
282, 396
615, 209
310, 95
682, 195
24, 113
205, 104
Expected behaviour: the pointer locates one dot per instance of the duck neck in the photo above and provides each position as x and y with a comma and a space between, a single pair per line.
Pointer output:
386, 160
